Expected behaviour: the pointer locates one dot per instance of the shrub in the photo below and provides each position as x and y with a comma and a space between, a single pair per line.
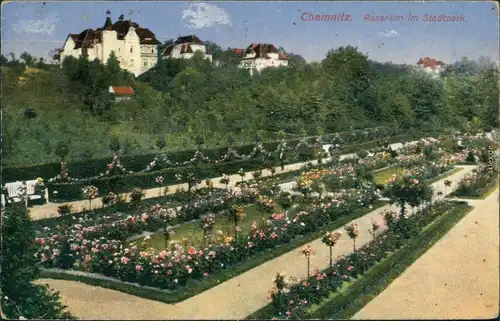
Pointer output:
136, 195
471, 158
64, 209
30, 113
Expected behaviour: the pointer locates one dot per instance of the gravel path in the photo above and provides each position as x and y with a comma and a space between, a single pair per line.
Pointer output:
233, 299
456, 279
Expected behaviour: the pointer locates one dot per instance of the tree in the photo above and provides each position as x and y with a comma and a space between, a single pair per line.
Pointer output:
3, 60
19, 296
161, 143
27, 58
113, 64
114, 144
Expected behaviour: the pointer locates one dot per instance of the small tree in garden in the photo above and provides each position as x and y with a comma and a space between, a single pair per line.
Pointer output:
439, 194
224, 180
330, 239
447, 183
236, 214
90, 192
407, 190
257, 174
353, 232
209, 184
241, 172
276, 296
192, 181
159, 180
375, 228
389, 218
308, 251
272, 169
207, 223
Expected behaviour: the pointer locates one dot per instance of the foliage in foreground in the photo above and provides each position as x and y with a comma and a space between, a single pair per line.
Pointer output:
19, 296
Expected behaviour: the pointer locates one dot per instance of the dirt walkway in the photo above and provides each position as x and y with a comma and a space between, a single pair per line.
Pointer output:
456, 279
233, 299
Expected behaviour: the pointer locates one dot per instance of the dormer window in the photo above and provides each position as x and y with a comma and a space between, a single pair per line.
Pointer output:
131, 49
152, 50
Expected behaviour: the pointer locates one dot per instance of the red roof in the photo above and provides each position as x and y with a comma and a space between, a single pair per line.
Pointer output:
122, 90
282, 56
237, 51
428, 62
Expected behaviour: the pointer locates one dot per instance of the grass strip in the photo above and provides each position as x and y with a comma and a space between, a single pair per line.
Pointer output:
195, 287
347, 303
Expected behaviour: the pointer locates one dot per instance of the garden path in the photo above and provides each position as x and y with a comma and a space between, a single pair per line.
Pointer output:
234, 299
456, 279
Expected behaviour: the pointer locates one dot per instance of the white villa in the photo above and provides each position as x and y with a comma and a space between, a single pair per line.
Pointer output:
135, 47
430, 66
261, 55
185, 47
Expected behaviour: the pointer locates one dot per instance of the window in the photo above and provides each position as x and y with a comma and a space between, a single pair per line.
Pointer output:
131, 49
118, 49
145, 63
131, 62
152, 50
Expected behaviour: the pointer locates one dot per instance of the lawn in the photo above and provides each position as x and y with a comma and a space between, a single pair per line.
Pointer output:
382, 176
192, 233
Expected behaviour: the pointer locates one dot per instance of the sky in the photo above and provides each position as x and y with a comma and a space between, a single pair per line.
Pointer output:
38, 27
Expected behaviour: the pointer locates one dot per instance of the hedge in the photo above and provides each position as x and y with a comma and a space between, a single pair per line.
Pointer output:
119, 184
93, 167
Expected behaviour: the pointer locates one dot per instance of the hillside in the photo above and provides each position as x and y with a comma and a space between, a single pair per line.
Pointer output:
191, 101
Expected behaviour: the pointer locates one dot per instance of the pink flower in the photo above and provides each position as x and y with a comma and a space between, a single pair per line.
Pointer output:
124, 260
169, 272
250, 244
191, 250
350, 267
138, 268
205, 274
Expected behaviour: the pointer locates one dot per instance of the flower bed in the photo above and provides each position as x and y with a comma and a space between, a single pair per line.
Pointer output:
477, 183
175, 266
317, 297
136, 163
120, 226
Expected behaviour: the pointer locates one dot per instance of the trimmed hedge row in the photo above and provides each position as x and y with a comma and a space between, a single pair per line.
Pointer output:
120, 184
92, 167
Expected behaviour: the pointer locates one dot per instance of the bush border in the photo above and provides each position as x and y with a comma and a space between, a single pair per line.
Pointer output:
482, 192
196, 287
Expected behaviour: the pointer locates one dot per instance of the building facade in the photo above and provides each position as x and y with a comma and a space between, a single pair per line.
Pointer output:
135, 47
259, 56
185, 47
